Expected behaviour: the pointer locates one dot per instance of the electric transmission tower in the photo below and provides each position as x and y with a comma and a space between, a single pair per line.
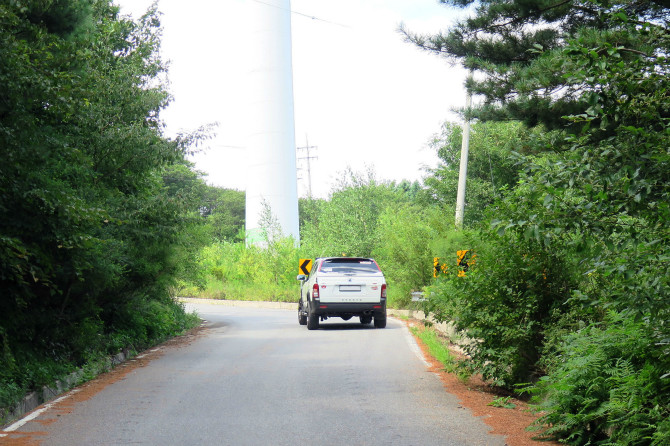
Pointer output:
308, 157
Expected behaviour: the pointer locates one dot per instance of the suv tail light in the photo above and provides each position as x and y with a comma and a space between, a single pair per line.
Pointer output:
383, 291
315, 291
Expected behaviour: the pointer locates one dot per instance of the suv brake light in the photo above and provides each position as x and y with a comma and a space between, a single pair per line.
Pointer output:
383, 291
315, 291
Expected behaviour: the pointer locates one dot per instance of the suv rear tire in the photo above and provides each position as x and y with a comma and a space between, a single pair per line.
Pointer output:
302, 317
380, 322
312, 321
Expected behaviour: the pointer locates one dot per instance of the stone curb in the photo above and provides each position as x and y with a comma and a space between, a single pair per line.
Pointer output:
446, 328
48, 393
241, 303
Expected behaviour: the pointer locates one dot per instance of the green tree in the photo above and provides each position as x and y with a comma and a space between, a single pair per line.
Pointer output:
347, 223
405, 249
94, 229
518, 47
594, 73
492, 165
224, 211
310, 209
608, 172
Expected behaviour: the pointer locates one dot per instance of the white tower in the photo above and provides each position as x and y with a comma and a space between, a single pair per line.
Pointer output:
272, 179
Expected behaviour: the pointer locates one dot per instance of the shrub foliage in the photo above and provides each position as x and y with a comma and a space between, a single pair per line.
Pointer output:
97, 206
578, 288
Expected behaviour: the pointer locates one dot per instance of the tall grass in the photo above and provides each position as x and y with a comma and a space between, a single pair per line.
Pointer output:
234, 271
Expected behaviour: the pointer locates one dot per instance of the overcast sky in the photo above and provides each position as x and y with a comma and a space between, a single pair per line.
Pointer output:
363, 97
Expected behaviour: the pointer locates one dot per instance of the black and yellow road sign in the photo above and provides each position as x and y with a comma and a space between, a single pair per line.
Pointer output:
460, 255
439, 267
465, 259
305, 266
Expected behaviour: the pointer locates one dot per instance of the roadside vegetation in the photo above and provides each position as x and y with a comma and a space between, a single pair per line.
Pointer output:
98, 209
569, 296
104, 222
438, 348
394, 223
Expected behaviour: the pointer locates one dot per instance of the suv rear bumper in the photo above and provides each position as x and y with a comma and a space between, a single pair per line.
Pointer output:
327, 309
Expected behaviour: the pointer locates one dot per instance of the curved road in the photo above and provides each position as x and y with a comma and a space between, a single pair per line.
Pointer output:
255, 377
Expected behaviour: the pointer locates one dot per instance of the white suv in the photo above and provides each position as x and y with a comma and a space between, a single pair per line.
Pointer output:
342, 287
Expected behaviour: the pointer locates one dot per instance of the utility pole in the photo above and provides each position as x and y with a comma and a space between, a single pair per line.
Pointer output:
463, 169
308, 157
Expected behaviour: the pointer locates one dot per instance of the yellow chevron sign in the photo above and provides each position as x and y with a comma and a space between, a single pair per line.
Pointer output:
439, 267
305, 266
464, 260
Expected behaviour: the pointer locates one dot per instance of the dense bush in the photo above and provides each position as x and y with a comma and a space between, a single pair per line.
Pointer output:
606, 386
591, 206
347, 224
509, 297
240, 272
98, 210
363, 217
406, 235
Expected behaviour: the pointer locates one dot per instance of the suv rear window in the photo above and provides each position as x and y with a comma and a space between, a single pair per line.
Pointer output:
352, 266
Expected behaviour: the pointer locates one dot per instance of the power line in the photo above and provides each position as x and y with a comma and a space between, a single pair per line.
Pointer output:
225, 146
301, 14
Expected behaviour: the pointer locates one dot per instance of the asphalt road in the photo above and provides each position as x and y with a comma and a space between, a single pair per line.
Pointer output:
256, 377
